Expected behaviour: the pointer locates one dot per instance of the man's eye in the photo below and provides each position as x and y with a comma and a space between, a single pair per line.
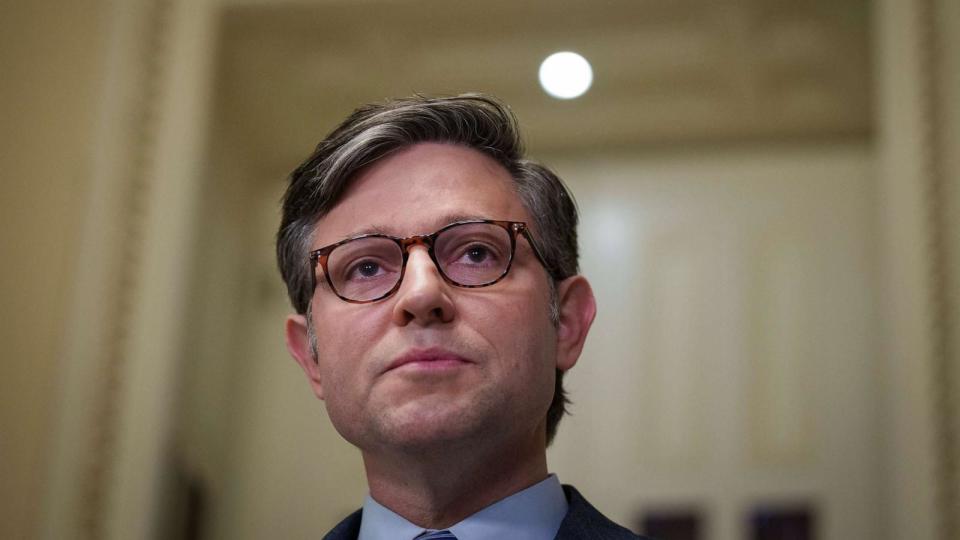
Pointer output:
477, 254
364, 270
368, 269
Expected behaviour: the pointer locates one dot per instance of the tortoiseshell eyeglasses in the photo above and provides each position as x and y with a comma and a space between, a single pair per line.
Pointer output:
470, 254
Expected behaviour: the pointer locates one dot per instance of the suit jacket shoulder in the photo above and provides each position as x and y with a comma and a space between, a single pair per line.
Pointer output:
583, 521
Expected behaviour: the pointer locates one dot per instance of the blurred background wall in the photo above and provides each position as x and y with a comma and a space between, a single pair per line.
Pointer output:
769, 194
48, 101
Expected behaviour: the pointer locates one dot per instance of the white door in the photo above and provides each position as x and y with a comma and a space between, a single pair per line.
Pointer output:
732, 366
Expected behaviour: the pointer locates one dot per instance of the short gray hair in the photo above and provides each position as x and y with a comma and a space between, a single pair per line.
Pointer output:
377, 130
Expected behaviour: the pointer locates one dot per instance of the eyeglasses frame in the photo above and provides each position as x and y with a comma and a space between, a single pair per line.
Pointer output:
321, 255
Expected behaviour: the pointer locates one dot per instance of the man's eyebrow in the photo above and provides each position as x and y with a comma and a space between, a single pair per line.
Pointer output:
373, 229
441, 222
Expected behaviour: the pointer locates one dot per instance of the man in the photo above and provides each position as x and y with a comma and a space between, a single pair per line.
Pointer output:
434, 274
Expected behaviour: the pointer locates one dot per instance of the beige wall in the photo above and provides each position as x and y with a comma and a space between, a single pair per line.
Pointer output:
51, 57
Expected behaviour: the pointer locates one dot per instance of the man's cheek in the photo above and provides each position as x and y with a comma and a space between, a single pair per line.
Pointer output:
345, 331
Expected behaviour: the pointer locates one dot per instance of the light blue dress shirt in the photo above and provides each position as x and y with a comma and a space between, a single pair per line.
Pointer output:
532, 514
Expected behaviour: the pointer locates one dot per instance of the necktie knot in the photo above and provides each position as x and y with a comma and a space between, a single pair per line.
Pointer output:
436, 535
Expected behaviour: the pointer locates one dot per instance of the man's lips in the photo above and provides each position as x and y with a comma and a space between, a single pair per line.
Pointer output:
427, 359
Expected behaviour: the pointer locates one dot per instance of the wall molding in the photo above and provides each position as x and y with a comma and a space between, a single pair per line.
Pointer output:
135, 189
934, 157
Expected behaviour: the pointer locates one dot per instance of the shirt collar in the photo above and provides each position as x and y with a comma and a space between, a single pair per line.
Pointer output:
534, 513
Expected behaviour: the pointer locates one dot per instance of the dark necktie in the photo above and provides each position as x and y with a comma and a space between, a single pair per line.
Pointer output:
436, 535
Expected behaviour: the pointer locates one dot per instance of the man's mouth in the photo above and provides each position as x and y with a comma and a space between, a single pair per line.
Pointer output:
428, 360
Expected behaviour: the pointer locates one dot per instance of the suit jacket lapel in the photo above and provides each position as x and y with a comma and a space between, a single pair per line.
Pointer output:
584, 522
348, 529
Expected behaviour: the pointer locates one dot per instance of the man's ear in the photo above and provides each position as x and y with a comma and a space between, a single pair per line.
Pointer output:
298, 343
577, 308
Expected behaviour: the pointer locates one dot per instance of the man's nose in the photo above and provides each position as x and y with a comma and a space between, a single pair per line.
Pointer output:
424, 296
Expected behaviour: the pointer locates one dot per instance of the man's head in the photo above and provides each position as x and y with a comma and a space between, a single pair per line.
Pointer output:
411, 167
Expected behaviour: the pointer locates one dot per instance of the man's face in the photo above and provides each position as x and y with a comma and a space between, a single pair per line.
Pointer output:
485, 357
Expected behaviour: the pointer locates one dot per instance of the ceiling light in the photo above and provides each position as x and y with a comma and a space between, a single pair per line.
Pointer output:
565, 75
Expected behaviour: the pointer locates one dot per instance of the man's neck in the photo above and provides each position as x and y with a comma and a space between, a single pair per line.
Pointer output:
438, 489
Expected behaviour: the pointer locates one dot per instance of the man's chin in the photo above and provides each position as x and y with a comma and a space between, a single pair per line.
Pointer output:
433, 430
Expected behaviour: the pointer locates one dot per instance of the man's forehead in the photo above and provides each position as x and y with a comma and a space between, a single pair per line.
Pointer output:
393, 229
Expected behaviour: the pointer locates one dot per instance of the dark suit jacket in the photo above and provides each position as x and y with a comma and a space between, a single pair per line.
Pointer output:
582, 521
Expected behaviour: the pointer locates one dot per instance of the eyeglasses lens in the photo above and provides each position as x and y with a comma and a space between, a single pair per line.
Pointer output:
473, 253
